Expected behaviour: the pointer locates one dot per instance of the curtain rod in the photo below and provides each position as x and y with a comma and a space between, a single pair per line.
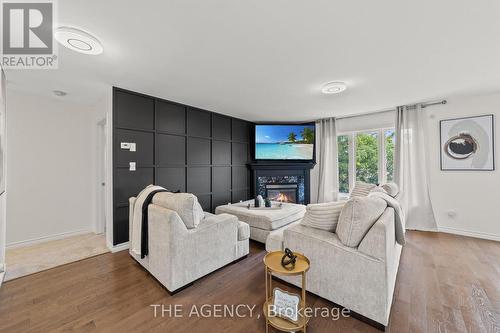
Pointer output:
424, 105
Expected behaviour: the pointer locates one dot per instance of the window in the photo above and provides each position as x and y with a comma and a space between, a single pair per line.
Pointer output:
390, 140
365, 156
343, 147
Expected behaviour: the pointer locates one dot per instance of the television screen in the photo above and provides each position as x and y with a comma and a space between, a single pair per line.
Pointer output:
284, 142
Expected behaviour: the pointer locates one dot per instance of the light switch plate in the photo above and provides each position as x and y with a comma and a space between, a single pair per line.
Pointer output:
132, 166
132, 146
125, 145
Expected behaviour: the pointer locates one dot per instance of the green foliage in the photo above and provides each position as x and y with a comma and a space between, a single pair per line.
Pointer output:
292, 137
367, 158
389, 149
307, 135
343, 155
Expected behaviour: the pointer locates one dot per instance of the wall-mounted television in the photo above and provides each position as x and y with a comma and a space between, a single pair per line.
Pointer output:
285, 142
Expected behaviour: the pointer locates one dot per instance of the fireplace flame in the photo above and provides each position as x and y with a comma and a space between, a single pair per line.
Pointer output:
282, 198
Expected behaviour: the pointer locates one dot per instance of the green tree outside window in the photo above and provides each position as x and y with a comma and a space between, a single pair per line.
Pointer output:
343, 161
367, 158
390, 137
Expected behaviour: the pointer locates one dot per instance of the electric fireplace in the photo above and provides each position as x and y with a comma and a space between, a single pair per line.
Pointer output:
282, 192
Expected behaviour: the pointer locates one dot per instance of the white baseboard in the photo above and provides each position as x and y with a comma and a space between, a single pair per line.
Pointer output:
476, 234
118, 247
48, 238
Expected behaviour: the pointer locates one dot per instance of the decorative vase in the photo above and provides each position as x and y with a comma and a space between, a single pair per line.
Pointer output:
268, 202
261, 200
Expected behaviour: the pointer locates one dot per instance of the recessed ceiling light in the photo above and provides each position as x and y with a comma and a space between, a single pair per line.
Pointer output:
333, 87
78, 40
60, 93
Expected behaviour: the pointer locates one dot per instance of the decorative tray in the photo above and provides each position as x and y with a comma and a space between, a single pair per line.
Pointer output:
274, 206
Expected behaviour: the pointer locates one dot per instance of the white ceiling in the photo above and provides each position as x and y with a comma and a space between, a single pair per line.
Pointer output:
266, 60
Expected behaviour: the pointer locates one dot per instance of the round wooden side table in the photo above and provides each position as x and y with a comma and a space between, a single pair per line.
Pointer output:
272, 262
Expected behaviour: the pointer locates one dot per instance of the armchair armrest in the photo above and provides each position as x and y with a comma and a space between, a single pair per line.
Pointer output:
211, 219
178, 254
380, 239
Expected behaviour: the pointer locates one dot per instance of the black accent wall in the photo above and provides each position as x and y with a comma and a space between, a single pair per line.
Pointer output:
178, 147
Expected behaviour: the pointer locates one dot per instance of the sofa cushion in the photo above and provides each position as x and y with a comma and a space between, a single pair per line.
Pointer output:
357, 217
391, 188
184, 204
362, 189
324, 216
243, 231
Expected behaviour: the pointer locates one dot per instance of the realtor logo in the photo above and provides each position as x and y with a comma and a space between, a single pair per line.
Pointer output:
27, 35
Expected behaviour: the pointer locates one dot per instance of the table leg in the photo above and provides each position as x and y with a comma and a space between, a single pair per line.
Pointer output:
304, 297
270, 284
267, 288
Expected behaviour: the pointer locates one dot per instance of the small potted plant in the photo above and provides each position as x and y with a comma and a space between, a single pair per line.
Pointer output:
268, 202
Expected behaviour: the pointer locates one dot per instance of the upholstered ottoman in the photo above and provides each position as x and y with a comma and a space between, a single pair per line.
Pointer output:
264, 221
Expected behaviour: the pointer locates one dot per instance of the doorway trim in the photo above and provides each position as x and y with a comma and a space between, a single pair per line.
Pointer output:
101, 184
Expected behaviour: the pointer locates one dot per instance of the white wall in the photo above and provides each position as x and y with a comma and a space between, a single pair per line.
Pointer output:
103, 111
473, 195
2, 235
3, 196
51, 154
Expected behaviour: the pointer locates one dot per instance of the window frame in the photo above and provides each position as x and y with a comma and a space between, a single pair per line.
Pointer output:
382, 154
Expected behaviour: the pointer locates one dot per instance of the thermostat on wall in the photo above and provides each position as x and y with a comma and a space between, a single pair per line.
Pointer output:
130, 146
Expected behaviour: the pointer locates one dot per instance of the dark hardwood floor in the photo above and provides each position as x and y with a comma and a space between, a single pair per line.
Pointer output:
445, 283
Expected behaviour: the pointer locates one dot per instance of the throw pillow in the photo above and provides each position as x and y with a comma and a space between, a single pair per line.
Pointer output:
357, 217
378, 189
362, 189
391, 188
184, 204
324, 216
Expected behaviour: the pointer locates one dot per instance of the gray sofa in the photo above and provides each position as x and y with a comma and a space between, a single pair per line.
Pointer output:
360, 278
179, 255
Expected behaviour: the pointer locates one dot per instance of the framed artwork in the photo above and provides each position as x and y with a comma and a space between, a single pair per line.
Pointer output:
286, 305
468, 144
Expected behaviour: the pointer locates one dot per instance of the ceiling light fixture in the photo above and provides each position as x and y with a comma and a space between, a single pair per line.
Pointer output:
60, 93
333, 87
78, 40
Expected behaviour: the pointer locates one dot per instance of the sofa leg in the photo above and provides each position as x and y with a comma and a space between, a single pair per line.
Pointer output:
368, 321
172, 293
238, 260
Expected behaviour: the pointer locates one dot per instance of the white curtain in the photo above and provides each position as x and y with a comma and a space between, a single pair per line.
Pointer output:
326, 161
410, 171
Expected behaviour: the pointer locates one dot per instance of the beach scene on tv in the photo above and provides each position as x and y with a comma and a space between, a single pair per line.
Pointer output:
284, 142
